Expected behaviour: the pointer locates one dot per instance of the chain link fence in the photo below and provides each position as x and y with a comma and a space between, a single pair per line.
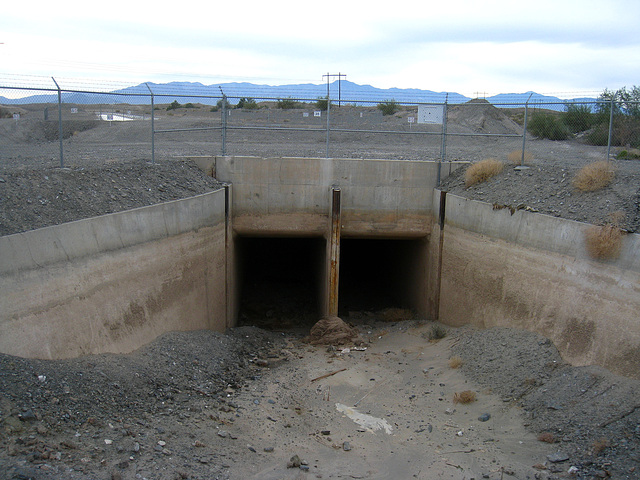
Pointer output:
67, 125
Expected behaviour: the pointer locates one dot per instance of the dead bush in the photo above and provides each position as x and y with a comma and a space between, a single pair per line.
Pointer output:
547, 437
464, 397
482, 171
515, 157
455, 362
594, 176
603, 242
599, 445
437, 332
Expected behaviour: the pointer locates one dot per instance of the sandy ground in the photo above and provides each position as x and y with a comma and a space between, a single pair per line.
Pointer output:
392, 406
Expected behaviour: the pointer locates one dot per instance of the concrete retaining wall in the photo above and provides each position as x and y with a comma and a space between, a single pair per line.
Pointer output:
115, 282
532, 271
291, 196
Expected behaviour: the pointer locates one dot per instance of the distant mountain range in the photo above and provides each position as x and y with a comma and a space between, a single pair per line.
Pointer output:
340, 91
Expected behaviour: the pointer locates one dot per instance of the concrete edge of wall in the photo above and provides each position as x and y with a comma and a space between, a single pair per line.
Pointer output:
58, 243
530, 229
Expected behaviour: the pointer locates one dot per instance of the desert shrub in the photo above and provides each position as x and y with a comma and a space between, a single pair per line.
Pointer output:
223, 102
546, 125
455, 362
464, 397
603, 242
437, 332
633, 154
594, 176
599, 446
547, 437
247, 103
174, 105
287, 103
388, 107
322, 103
5, 113
189, 105
515, 157
578, 118
599, 135
482, 171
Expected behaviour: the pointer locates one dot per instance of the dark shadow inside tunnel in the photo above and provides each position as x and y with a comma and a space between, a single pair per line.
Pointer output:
382, 273
279, 280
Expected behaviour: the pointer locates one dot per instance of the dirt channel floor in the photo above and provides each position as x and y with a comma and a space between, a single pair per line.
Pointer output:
243, 405
202, 405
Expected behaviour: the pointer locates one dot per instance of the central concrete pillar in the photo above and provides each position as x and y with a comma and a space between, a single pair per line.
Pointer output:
334, 253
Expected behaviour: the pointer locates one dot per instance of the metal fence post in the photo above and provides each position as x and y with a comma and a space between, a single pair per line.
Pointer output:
59, 121
443, 146
224, 124
524, 132
328, 119
153, 130
610, 128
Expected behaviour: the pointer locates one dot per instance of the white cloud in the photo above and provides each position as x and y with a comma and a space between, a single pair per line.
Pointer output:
458, 45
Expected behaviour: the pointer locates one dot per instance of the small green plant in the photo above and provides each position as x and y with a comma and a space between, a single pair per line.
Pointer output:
322, 103
482, 171
189, 105
547, 125
633, 154
174, 105
287, 103
388, 107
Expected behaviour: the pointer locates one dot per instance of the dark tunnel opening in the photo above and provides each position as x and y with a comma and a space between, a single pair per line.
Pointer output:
279, 280
377, 274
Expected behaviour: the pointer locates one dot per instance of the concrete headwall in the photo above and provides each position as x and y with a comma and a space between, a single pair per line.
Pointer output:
532, 271
291, 196
115, 282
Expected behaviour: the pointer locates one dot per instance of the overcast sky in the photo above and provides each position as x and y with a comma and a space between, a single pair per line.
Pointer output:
561, 47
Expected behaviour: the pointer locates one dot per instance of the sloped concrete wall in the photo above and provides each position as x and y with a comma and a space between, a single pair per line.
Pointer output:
115, 282
532, 271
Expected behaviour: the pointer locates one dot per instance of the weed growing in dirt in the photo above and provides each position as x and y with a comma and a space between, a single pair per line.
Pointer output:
515, 157
482, 171
464, 397
547, 437
594, 176
455, 362
604, 242
632, 154
437, 332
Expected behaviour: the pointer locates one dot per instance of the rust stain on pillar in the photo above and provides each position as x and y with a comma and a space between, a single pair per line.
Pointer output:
334, 273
